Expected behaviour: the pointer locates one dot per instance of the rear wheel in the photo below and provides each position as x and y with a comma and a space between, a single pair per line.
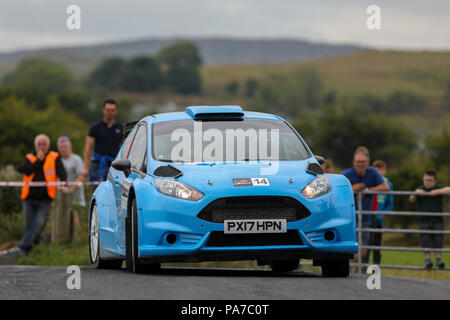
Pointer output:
134, 264
336, 268
285, 265
94, 244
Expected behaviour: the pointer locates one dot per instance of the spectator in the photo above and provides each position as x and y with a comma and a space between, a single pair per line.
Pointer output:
104, 138
429, 198
363, 177
75, 194
385, 203
41, 166
362, 149
328, 166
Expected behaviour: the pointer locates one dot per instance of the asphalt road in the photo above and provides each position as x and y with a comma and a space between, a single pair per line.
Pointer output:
30, 282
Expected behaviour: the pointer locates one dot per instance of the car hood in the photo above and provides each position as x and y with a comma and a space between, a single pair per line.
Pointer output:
281, 174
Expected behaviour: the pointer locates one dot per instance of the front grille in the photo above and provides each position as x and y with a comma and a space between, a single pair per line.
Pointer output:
220, 239
254, 207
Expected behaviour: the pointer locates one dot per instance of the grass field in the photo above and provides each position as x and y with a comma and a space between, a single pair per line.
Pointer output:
378, 72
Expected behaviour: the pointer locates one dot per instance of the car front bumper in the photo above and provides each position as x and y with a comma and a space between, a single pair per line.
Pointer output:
333, 212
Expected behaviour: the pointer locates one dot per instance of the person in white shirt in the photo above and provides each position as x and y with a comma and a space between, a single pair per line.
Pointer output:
74, 168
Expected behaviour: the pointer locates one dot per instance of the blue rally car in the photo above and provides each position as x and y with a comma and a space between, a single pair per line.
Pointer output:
200, 185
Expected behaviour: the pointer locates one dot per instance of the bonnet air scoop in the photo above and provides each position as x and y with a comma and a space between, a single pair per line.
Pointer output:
314, 168
215, 112
167, 172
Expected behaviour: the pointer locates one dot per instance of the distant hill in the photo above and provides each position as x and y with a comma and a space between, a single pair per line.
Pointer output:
213, 51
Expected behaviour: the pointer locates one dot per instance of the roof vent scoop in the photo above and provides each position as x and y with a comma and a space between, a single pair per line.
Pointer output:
215, 112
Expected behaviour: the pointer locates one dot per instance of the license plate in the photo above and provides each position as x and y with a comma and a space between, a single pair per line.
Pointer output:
255, 226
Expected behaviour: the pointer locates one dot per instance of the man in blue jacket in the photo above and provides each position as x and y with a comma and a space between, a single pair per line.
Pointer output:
364, 177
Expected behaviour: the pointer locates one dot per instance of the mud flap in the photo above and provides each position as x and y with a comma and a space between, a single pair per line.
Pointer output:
128, 247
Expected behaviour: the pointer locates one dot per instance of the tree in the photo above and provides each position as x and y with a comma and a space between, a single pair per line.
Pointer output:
439, 147
405, 101
251, 86
311, 85
36, 79
181, 62
108, 74
232, 87
335, 132
289, 93
141, 74
446, 95
21, 124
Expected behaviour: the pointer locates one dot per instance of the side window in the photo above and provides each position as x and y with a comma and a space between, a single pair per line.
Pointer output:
127, 144
138, 150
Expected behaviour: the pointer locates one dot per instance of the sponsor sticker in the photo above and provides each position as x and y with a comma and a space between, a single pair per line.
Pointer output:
251, 182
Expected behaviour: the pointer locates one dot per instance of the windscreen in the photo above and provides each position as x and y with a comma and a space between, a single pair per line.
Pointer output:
220, 141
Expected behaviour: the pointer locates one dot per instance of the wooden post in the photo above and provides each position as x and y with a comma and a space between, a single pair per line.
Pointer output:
62, 218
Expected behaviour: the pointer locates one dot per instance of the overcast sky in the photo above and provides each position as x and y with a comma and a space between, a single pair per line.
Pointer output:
406, 24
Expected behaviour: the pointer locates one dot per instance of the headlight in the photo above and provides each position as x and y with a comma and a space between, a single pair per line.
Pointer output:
177, 189
317, 187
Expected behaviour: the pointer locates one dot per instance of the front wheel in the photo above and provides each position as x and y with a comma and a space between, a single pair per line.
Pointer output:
336, 268
94, 244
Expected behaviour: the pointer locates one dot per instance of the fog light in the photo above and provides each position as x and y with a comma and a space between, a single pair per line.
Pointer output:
329, 235
171, 238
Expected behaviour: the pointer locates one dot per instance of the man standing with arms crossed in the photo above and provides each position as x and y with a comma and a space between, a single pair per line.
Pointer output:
102, 143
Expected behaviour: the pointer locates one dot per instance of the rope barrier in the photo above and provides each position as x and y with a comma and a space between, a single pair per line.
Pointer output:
44, 183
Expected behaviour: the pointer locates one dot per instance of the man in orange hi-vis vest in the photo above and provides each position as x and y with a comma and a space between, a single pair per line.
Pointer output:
42, 165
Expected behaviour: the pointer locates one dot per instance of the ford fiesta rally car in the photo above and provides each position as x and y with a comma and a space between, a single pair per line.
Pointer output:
162, 202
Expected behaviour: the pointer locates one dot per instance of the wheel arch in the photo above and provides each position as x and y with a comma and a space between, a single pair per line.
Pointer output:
103, 198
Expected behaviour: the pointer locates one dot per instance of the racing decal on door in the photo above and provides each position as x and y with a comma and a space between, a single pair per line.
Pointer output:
251, 182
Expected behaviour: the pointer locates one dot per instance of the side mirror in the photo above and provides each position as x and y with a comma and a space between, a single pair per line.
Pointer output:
320, 159
122, 165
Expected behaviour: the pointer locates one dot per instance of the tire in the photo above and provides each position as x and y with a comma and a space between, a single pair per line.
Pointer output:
133, 262
285, 265
94, 244
336, 268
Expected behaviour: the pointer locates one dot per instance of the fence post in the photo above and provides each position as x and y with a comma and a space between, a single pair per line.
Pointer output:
359, 211
62, 222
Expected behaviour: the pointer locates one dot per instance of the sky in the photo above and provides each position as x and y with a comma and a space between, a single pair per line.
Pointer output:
405, 24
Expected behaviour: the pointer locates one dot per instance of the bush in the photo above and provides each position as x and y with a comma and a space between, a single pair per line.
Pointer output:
9, 197
36, 79
25, 123
11, 227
